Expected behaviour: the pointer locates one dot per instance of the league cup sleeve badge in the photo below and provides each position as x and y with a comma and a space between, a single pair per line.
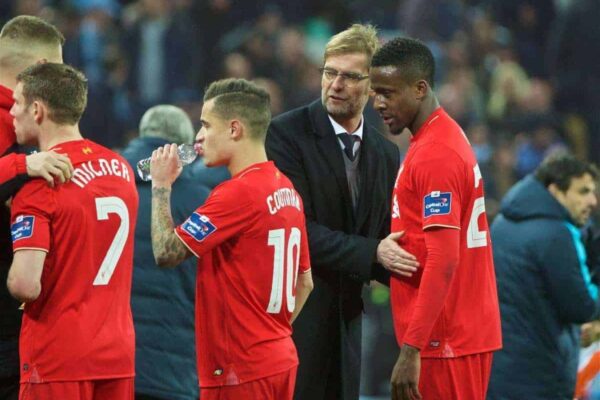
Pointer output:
437, 203
198, 226
22, 228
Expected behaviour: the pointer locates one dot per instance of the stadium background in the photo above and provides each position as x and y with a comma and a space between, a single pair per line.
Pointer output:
520, 76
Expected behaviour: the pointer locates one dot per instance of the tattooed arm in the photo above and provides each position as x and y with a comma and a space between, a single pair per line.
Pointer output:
168, 249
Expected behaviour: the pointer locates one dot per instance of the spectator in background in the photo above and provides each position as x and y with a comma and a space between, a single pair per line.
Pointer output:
237, 65
530, 22
344, 170
294, 66
161, 60
535, 146
91, 46
509, 85
24, 41
544, 284
162, 300
574, 66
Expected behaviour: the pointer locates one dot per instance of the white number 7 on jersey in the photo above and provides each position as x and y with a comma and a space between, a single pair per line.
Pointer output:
104, 207
277, 240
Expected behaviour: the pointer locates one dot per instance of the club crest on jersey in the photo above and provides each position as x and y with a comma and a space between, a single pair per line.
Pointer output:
22, 228
437, 203
198, 226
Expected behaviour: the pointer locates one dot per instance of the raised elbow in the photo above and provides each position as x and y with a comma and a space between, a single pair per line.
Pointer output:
23, 290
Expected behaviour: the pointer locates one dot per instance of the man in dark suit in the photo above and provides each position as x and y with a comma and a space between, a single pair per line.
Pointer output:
345, 172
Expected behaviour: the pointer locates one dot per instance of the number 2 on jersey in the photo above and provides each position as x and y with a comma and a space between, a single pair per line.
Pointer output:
475, 236
104, 207
284, 255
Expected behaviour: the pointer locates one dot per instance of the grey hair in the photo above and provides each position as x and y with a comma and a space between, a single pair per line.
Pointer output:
167, 122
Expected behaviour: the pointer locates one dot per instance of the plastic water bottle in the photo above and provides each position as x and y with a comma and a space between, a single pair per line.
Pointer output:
186, 153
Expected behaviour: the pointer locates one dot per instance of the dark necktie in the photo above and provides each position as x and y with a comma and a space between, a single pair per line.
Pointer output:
348, 141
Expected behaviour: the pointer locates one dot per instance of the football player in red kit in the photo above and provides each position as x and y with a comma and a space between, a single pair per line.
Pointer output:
250, 239
73, 250
446, 316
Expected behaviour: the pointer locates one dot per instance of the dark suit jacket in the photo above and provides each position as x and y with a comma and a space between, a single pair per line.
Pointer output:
343, 246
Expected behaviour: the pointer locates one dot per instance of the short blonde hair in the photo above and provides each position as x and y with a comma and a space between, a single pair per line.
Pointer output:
25, 39
358, 38
26, 29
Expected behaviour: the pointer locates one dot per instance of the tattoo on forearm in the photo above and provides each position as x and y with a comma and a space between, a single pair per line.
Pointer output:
166, 245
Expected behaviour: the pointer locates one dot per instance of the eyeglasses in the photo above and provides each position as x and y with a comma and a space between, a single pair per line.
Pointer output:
350, 78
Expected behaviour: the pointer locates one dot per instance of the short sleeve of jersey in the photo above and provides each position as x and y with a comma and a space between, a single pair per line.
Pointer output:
304, 252
226, 213
31, 212
438, 174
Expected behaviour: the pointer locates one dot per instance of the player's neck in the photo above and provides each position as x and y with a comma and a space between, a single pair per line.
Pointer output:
57, 134
252, 153
427, 108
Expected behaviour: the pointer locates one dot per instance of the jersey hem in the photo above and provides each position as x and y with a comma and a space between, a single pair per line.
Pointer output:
440, 226
462, 354
254, 378
93, 378
31, 248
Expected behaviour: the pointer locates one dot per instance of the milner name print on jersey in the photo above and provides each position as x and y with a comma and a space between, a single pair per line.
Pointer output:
88, 171
198, 226
437, 203
22, 228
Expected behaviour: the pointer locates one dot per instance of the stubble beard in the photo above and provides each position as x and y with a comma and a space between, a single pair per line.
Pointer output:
346, 110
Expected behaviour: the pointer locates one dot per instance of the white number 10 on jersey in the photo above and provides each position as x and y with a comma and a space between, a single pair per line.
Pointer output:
284, 255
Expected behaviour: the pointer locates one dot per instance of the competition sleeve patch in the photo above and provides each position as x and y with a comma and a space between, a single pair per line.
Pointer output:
198, 226
22, 228
437, 203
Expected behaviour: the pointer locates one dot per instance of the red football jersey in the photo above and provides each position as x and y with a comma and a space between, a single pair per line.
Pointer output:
80, 327
12, 164
7, 129
439, 184
250, 237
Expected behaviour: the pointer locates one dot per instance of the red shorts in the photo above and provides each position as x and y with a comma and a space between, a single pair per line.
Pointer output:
276, 387
117, 389
464, 378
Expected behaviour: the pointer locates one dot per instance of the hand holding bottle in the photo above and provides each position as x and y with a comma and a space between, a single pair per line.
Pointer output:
186, 153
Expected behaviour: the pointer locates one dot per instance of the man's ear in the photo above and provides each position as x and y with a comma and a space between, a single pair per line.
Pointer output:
237, 129
421, 89
39, 111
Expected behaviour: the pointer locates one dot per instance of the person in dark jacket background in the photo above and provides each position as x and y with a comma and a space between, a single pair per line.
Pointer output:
162, 300
546, 289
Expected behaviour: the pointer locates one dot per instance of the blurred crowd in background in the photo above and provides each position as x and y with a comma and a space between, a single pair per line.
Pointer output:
520, 76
